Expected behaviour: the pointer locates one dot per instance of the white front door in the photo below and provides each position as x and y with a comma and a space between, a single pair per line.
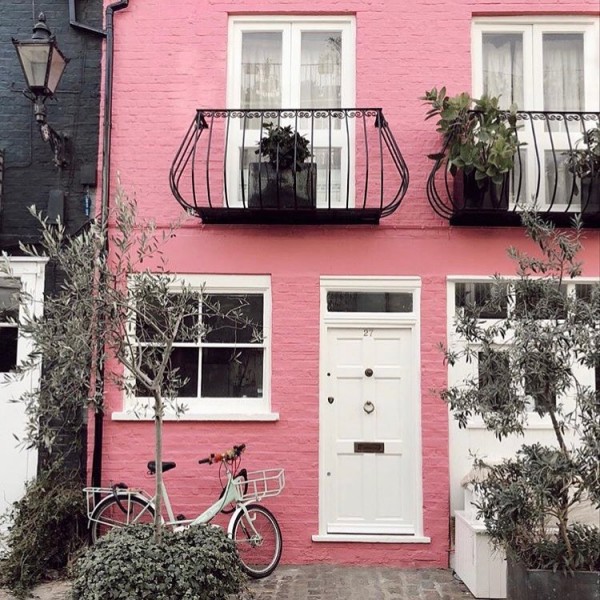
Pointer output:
369, 430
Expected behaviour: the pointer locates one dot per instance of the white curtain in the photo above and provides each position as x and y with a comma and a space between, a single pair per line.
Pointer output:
563, 90
261, 70
503, 67
563, 71
321, 69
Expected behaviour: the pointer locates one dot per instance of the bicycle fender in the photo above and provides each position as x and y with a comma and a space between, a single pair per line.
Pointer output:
234, 516
110, 498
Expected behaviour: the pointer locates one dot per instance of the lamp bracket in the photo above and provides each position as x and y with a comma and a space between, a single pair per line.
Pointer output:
59, 142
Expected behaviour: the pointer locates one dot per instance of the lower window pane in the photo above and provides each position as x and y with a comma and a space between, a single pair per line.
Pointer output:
232, 372
186, 360
8, 348
183, 359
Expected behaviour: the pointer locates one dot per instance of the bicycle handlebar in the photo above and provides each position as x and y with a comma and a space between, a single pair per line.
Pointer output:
226, 456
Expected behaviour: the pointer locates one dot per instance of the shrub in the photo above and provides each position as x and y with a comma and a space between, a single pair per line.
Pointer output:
200, 563
45, 531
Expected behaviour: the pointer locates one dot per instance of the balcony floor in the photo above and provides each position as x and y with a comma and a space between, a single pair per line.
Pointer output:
289, 216
499, 218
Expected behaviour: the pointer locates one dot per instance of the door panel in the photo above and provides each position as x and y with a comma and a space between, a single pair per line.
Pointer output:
369, 427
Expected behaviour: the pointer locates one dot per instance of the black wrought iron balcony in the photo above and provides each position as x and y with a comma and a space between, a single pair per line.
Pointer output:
317, 166
556, 172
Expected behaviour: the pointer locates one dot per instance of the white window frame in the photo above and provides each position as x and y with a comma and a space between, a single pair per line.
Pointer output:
6, 324
219, 409
463, 370
30, 272
292, 28
532, 28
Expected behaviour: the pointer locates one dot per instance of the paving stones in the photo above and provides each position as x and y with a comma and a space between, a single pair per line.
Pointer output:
326, 582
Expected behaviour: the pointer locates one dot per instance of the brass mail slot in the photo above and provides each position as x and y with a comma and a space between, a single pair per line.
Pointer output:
369, 447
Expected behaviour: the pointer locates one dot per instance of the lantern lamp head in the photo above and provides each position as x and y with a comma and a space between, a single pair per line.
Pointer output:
43, 65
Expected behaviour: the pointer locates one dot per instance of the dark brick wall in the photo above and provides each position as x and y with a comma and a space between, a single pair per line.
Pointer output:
29, 171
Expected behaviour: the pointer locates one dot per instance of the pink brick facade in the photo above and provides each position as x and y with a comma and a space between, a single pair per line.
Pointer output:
171, 58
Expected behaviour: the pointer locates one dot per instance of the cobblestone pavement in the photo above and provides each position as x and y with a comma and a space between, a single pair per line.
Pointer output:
324, 582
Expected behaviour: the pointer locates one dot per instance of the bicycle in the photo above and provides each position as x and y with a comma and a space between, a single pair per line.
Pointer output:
252, 527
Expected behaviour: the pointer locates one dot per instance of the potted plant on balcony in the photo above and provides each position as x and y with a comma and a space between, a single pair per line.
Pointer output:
583, 162
542, 506
284, 180
480, 144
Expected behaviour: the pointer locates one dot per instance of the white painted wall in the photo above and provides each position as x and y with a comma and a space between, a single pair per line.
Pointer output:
17, 465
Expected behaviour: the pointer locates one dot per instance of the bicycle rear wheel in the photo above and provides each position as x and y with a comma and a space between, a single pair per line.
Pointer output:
258, 540
118, 512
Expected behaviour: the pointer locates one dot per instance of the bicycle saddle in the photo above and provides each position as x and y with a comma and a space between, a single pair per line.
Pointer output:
166, 466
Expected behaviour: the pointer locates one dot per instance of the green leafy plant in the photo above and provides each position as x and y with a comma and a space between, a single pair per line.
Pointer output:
199, 563
479, 137
283, 146
583, 161
528, 501
47, 528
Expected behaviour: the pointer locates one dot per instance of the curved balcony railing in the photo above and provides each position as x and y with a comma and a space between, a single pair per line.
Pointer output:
355, 172
540, 179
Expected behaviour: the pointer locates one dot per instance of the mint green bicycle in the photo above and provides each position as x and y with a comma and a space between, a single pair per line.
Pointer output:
252, 527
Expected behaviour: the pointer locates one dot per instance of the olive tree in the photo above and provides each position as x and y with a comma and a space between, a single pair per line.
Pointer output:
529, 360
114, 315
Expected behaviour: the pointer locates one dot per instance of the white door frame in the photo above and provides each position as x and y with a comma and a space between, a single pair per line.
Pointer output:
408, 320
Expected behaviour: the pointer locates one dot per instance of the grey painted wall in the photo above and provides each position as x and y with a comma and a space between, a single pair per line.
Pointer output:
29, 171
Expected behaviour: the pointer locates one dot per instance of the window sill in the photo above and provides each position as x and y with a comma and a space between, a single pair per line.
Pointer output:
536, 425
369, 539
191, 416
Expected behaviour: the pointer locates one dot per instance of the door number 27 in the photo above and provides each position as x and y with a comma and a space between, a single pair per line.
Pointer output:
367, 333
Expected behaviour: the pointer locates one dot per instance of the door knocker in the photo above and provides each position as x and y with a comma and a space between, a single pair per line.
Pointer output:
369, 407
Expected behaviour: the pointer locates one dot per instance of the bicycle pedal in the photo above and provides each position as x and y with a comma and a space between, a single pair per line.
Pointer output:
180, 518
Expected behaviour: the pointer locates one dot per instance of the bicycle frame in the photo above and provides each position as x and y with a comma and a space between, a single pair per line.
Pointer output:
231, 494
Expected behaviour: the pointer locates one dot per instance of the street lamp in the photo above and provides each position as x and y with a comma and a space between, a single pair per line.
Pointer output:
43, 65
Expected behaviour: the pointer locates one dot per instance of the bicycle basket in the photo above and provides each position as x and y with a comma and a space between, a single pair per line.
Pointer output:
261, 484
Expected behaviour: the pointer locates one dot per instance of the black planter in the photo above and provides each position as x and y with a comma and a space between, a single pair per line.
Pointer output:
470, 194
269, 187
590, 195
534, 584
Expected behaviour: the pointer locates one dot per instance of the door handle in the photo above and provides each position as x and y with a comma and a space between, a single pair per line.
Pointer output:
330, 399
369, 372
368, 407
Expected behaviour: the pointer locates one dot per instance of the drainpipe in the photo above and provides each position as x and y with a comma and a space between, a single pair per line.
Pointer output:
108, 87
108, 33
104, 209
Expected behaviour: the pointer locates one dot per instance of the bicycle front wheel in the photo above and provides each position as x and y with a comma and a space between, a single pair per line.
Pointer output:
258, 541
120, 511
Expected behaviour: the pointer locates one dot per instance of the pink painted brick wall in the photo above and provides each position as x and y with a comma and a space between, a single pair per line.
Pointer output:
170, 59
